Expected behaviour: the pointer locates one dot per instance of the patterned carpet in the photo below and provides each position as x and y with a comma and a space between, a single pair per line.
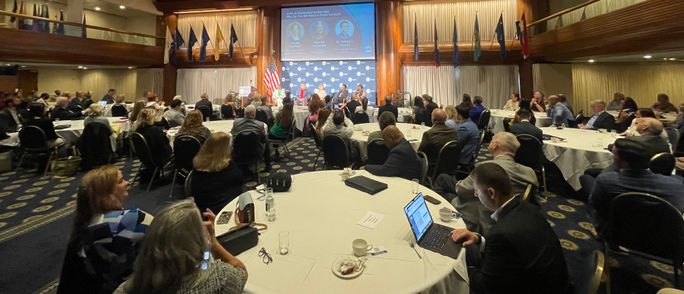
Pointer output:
36, 214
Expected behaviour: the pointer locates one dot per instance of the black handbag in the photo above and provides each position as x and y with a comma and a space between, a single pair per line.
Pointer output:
239, 239
280, 182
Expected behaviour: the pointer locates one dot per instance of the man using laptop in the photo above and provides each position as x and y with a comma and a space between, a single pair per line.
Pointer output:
521, 253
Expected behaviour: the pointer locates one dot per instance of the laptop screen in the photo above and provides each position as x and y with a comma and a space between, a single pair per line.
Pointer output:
418, 216
103, 103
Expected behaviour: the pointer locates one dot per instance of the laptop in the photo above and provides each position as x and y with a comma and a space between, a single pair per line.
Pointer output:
103, 103
429, 235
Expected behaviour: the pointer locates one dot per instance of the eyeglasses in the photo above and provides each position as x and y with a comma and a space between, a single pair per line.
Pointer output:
265, 257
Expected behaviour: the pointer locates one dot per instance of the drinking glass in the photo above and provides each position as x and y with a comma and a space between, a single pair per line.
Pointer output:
415, 186
283, 242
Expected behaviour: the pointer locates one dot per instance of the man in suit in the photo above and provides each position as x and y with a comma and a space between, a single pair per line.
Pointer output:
600, 119
249, 124
521, 253
462, 193
76, 103
342, 95
204, 103
429, 107
558, 112
468, 136
9, 116
524, 126
63, 111
38, 118
109, 97
389, 107
402, 160
435, 138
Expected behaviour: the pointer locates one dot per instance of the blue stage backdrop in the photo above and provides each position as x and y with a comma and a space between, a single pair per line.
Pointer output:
331, 74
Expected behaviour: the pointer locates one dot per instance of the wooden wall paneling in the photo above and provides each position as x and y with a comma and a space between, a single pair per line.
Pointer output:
490, 56
268, 42
388, 44
27, 81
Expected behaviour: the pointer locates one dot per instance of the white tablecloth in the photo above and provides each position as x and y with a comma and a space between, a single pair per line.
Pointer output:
12, 141
584, 149
321, 213
412, 132
214, 126
71, 134
498, 116
402, 111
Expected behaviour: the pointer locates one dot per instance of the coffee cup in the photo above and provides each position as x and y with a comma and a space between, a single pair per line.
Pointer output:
446, 214
361, 247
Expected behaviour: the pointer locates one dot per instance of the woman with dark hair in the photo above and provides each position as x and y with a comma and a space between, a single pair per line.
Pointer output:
626, 115
419, 116
328, 102
192, 125
315, 104
617, 103
283, 121
476, 110
467, 102
137, 107
228, 107
37, 118
663, 104
323, 115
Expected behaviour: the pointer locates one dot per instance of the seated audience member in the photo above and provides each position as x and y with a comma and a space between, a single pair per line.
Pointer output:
617, 103
137, 107
94, 114
462, 193
249, 124
204, 102
430, 106
173, 115
76, 103
158, 105
283, 122
626, 115
435, 138
419, 114
154, 135
9, 116
388, 107
525, 104
342, 126
559, 113
451, 114
43, 99
402, 161
384, 120
521, 253
87, 99
538, 102
639, 113
632, 161
329, 104
314, 106
174, 257
663, 104
350, 107
260, 103
679, 121
467, 101
105, 238
360, 116
513, 102
323, 115
62, 111
216, 180
192, 126
109, 97
522, 125
37, 118
468, 136
564, 100
228, 107
600, 119
476, 110
119, 102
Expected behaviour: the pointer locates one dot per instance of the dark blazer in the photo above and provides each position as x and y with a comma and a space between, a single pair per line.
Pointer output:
351, 107
45, 124
527, 128
390, 108
158, 143
434, 139
428, 113
204, 102
402, 162
7, 120
215, 190
65, 114
604, 121
522, 254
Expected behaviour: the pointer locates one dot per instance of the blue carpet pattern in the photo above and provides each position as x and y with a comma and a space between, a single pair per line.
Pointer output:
36, 213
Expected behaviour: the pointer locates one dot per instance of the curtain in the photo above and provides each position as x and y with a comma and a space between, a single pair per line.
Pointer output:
99, 81
447, 84
641, 82
149, 79
592, 10
463, 12
217, 82
244, 23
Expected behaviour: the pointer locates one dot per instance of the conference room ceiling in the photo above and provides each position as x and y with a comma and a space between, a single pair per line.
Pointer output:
642, 57
185, 5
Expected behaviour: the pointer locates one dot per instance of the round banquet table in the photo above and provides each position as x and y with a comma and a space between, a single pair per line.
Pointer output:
321, 213
412, 132
214, 126
498, 116
402, 111
583, 149
75, 129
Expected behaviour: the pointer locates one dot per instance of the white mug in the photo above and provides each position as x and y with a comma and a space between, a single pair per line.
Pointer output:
361, 247
446, 214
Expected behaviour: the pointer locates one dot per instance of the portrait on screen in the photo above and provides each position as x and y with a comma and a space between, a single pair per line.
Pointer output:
295, 31
344, 29
319, 30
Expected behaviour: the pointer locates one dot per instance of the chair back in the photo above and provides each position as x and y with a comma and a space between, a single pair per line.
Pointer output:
188, 184
646, 224
95, 145
528, 192
448, 156
119, 111
672, 137
247, 148
484, 119
206, 112
185, 147
335, 152
589, 277
377, 152
423, 167
316, 137
142, 150
360, 118
33, 139
227, 112
262, 116
530, 153
662, 163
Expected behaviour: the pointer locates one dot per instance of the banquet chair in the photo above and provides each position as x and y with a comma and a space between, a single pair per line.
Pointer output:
95, 146
360, 118
591, 274
119, 111
317, 140
423, 167
140, 148
662, 163
206, 112
185, 147
283, 141
262, 116
335, 152
33, 142
187, 185
247, 151
448, 155
377, 152
672, 136
483, 123
646, 226
530, 154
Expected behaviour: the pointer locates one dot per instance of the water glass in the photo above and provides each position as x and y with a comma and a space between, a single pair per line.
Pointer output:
415, 186
283, 243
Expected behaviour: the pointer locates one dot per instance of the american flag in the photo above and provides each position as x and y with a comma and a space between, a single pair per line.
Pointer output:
271, 77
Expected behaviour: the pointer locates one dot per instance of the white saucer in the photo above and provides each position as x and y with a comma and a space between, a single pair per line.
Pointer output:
336, 266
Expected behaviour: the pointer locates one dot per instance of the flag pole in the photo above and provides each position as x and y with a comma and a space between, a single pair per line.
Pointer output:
491, 44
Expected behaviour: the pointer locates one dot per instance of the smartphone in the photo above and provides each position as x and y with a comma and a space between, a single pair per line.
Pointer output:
431, 199
336, 106
224, 217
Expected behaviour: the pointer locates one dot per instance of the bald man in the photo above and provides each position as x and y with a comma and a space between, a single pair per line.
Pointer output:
652, 136
402, 160
435, 138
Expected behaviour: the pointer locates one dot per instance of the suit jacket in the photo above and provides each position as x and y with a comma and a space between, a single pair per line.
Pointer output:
204, 102
402, 162
469, 137
390, 108
522, 254
527, 128
433, 141
604, 121
428, 113
65, 114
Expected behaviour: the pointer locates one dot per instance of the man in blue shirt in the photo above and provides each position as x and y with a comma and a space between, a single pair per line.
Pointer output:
600, 118
559, 113
467, 135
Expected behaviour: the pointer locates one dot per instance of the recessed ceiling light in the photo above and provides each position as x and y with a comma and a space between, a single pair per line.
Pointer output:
664, 58
672, 58
23, 66
647, 56
122, 7
80, 66
8, 64
592, 61
130, 67
85, 67
98, 8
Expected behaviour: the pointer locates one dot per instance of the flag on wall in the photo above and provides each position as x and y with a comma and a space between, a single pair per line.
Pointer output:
271, 77
415, 40
523, 39
84, 33
178, 40
168, 46
233, 39
217, 42
435, 51
59, 28
14, 10
203, 44
45, 24
500, 36
476, 37
454, 41
34, 23
192, 39
21, 23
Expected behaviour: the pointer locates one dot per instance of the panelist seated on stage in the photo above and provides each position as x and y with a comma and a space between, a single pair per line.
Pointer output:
402, 160
600, 118
342, 95
521, 253
301, 95
62, 111
320, 91
360, 93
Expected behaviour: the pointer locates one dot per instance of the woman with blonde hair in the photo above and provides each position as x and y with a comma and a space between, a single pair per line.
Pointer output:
451, 117
105, 237
174, 258
216, 180
137, 107
154, 135
192, 126
94, 114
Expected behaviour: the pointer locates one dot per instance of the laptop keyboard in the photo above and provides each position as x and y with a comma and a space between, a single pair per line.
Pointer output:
436, 237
